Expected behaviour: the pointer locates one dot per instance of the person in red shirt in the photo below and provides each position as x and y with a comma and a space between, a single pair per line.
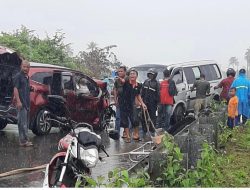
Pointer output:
166, 100
225, 84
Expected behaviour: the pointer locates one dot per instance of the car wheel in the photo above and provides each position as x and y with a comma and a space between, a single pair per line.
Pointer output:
42, 125
178, 115
3, 124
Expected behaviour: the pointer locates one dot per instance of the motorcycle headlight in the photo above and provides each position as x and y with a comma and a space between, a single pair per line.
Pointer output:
90, 156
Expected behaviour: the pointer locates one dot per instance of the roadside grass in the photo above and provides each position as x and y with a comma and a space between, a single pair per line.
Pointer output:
228, 167
234, 164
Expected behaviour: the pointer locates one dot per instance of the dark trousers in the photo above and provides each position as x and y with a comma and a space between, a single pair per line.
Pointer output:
132, 116
117, 118
23, 124
232, 122
164, 116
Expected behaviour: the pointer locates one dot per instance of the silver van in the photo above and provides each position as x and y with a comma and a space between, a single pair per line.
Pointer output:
184, 75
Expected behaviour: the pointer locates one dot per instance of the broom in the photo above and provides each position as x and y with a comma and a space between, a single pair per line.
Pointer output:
158, 137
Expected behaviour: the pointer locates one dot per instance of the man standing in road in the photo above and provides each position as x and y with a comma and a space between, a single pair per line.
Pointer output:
202, 89
151, 96
242, 85
22, 97
131, 104
225, 84
118, 90
167, 92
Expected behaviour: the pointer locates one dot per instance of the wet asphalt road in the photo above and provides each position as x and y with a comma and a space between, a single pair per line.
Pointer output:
14, 157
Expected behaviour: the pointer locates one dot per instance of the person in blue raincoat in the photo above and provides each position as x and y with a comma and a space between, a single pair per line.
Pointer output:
248, 107
242, 85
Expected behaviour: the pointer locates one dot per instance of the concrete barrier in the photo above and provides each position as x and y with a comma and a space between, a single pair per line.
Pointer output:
157, 163
195, 148
190, 141
215, 119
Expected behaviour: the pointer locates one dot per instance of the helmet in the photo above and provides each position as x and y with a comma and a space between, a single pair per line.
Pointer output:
231, 72
153, 72
242, 71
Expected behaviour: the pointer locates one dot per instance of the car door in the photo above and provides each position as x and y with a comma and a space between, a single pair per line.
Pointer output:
192, 73
88, 99
68, 91
177, 76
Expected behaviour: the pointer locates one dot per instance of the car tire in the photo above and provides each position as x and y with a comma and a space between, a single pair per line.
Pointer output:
41, 124
179, 114
3, 124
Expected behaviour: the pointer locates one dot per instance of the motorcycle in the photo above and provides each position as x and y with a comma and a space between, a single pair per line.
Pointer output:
78, 151
108, 118
108, 113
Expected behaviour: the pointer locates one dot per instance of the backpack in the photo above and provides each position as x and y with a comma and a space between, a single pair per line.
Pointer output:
172, 90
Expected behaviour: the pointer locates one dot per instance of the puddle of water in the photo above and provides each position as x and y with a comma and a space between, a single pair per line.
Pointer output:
44, 149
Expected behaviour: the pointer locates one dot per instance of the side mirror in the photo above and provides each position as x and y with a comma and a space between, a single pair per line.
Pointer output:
114, 134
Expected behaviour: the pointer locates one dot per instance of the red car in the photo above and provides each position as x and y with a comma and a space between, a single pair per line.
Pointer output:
85, 97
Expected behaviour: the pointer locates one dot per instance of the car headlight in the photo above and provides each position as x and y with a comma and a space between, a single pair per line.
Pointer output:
90, 156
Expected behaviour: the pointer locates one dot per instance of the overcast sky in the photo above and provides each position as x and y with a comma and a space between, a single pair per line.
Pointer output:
145, 31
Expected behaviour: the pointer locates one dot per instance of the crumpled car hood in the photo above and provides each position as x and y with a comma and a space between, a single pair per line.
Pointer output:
5, 50
9, 58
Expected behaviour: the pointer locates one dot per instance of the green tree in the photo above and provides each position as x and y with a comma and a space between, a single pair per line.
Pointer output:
95, 61
52, 50
247, 57
99, 61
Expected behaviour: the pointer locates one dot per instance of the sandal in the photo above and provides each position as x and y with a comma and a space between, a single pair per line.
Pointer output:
127, 140
124, 135
137, 139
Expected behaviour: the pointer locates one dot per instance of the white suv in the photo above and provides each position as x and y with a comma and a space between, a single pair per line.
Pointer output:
184, 75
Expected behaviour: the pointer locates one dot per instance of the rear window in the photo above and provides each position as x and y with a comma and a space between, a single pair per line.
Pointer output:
211, 72
218, 73
42, 77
